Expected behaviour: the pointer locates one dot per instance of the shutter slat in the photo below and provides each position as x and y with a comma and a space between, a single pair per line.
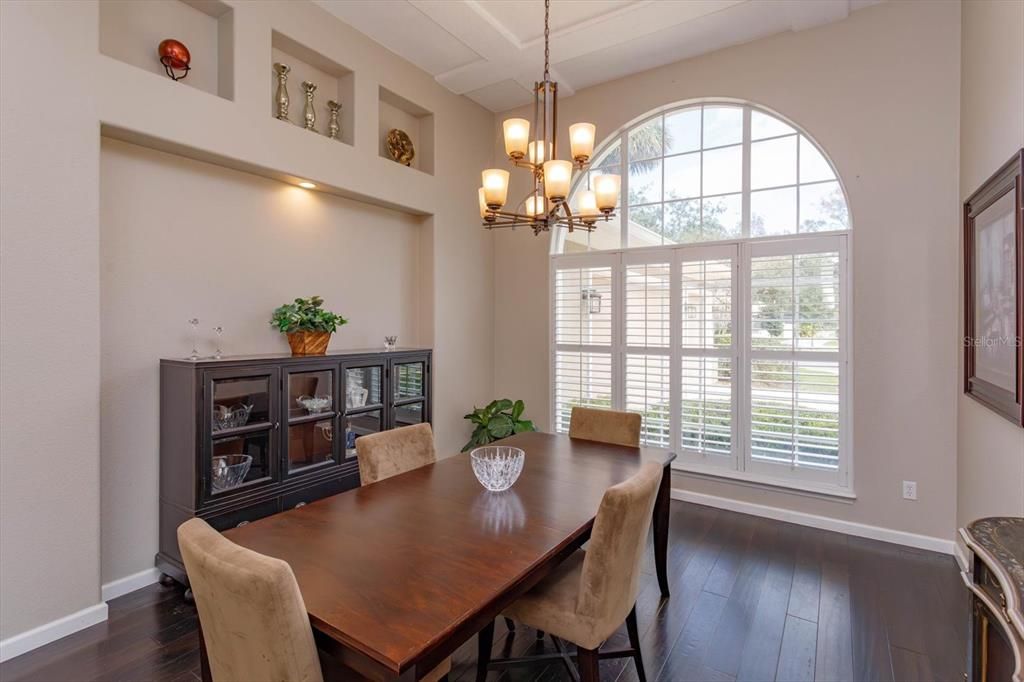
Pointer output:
706, 386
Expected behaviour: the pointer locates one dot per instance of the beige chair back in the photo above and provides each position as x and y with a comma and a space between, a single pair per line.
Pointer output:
252, 614
610, 577
605, 426
389, 453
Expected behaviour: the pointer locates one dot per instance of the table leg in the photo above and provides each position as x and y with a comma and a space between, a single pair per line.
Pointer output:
661, 512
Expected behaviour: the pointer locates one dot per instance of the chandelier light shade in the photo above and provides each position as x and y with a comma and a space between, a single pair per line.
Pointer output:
581, 141
483, 203
536, 152
606, 191
557, 175
495, 187
517, 135
535, 205
586, 206
533, 146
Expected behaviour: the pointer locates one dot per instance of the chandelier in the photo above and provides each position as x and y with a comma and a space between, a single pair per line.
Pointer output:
546, 205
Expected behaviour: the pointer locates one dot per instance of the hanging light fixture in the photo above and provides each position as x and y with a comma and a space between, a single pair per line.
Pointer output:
546, 205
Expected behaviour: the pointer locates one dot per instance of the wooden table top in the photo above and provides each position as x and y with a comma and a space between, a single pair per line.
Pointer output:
392, 568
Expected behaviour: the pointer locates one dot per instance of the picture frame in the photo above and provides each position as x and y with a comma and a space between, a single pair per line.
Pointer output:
993, 337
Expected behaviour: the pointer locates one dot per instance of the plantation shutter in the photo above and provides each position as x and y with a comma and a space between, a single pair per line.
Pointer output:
706, 406
647, 371
796, 319
583, 336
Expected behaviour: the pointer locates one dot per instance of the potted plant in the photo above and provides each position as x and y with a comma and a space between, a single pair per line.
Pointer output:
500, 419
307, 324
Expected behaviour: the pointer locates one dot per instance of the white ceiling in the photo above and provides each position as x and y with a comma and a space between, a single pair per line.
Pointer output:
492, 51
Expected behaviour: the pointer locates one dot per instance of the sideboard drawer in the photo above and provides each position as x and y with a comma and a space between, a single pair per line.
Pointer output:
315, 492
240, 517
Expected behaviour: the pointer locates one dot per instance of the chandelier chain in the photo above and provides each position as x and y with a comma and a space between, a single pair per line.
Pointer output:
547, 35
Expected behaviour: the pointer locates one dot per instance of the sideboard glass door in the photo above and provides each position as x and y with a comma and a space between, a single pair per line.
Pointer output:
240, 430
312, 412
410, 385
364, 410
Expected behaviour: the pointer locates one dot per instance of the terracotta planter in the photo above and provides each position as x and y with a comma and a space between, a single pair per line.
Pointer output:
309, 343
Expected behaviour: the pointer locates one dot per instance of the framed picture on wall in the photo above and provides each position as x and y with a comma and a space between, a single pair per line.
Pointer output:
994, 292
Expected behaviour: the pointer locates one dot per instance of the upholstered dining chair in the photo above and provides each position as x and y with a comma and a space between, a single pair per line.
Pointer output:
254, 622
588, 596
605, 426
253, 619
389, 453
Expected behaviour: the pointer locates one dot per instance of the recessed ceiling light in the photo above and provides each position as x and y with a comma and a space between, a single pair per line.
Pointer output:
307, 185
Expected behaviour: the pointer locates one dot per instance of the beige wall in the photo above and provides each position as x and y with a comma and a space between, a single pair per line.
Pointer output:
49, 315
990, 465
50, 518
879, 90
237, 247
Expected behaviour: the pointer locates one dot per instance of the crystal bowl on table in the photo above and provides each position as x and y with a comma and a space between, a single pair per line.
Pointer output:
497, 467
228, 471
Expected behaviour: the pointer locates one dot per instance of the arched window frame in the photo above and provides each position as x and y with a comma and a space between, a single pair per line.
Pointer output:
621, 138
615, 358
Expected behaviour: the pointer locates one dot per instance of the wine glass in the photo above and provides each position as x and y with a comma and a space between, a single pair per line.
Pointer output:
219, 331
194, 323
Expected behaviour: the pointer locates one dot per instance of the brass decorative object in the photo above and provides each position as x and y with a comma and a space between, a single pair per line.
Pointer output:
400, 147
333, 126
309, 113
281, 98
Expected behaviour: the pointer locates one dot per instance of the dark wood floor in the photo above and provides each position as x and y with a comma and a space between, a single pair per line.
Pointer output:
752, 599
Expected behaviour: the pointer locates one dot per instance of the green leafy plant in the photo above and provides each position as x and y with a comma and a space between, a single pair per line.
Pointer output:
306, 315
501, 418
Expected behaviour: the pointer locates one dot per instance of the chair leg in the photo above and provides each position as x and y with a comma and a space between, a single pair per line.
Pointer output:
484, 642
634, 644
510, 624
587, 661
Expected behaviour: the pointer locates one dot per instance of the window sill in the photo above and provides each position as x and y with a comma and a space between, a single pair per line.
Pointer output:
832, 493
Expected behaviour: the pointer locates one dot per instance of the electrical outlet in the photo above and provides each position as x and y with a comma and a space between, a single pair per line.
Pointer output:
909, 490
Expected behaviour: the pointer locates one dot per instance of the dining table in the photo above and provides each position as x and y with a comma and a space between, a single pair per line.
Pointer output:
396, 575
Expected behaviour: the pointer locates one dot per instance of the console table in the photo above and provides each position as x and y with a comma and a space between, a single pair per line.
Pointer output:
245, 437
996, 582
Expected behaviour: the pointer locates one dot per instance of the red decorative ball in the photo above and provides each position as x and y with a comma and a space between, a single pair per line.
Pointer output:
174, 54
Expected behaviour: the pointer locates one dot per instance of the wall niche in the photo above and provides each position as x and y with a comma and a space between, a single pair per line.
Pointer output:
395, 111
131, 31
333, 82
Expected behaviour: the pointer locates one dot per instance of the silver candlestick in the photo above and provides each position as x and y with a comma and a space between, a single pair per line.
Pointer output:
281, 98
309, 113
333, 127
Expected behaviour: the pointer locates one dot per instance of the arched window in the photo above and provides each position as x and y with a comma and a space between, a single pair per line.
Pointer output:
715, 303
687, 180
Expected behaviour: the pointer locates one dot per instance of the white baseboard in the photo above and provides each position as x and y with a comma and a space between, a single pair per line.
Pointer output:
962, 557
130, 583
898, 537
52, 631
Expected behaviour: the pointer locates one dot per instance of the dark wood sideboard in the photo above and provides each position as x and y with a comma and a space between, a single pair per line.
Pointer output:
996, 583
214, 412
